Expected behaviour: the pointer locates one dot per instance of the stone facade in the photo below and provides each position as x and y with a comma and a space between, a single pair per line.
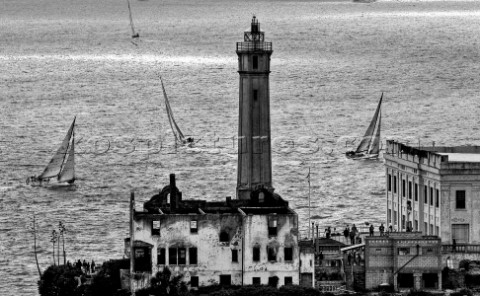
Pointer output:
435, 190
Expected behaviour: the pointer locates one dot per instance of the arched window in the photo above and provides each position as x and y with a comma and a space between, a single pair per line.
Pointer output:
224, 237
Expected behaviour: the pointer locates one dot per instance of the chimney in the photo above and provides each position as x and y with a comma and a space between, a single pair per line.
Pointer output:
173, 192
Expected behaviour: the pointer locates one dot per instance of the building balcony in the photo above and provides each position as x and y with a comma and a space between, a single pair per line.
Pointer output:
461, 248
247, 47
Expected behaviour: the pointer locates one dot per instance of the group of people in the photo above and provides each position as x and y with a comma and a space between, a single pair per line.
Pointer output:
86, 267
351, 234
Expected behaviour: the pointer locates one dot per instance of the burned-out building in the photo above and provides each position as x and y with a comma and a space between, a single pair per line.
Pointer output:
235, 242
252, 239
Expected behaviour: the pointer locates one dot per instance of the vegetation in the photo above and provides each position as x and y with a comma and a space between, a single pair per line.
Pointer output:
107, 281
59, 281
164, 283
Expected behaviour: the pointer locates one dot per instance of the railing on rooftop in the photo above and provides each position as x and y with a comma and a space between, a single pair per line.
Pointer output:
253, 46
461, 248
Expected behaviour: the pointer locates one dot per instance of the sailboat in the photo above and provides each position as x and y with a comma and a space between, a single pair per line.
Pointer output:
134, 34
62, 164
369, 147
179, 137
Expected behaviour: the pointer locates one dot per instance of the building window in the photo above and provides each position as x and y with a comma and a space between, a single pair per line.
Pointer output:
437, 230
416, 225
409, 189
273, 281
288, 254
234, 255
389, 216
272, 226
193, 255
172, 256
403, 221
425, 228
460, 199
155, 227
460, 233
431, 196
389, 182
272, 254
255, 62
161, 256
182, 256
437, 200
431, 229
225, 280
428, 251
426, 194
256, 253
394, 184
416, 192
255, 94
256, 281
403, 251
194, 281
403, 188
224, 237
194, 226
288, 280
395, 217
261, 197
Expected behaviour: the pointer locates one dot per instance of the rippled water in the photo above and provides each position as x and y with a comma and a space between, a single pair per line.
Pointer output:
330, 63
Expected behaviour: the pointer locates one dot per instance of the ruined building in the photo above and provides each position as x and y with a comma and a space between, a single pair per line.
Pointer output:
252, 239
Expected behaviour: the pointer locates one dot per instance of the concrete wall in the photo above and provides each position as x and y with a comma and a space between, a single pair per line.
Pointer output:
256, 234
214, 257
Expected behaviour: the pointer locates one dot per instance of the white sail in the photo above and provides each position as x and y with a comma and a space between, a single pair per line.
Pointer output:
55, 165
68, 171
372, 136
175, 129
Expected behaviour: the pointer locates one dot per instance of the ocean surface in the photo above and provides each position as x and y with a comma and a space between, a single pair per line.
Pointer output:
331, 62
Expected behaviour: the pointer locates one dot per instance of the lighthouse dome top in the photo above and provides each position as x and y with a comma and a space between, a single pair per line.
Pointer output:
254, 40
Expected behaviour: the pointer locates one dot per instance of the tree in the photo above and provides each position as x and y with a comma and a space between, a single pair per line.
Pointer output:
53, 240
59, 281
34, 230
62, 230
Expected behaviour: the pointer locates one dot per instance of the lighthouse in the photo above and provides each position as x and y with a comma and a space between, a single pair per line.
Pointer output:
254, 170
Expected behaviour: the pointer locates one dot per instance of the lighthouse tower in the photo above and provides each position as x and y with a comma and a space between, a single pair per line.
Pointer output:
254, 142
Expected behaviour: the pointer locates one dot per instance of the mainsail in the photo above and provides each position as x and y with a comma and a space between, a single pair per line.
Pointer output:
370, 143
54, 167
179, 137
67, 174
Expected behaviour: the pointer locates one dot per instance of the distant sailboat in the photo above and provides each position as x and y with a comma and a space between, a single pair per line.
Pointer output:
62, 165
134, 34
179, 137
369, 147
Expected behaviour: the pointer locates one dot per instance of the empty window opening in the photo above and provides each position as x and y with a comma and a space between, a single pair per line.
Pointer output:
256, 253
288, 254
161, 256
234, 255
224, 237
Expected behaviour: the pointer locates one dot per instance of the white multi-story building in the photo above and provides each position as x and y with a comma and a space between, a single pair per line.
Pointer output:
435, 190
236, 242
